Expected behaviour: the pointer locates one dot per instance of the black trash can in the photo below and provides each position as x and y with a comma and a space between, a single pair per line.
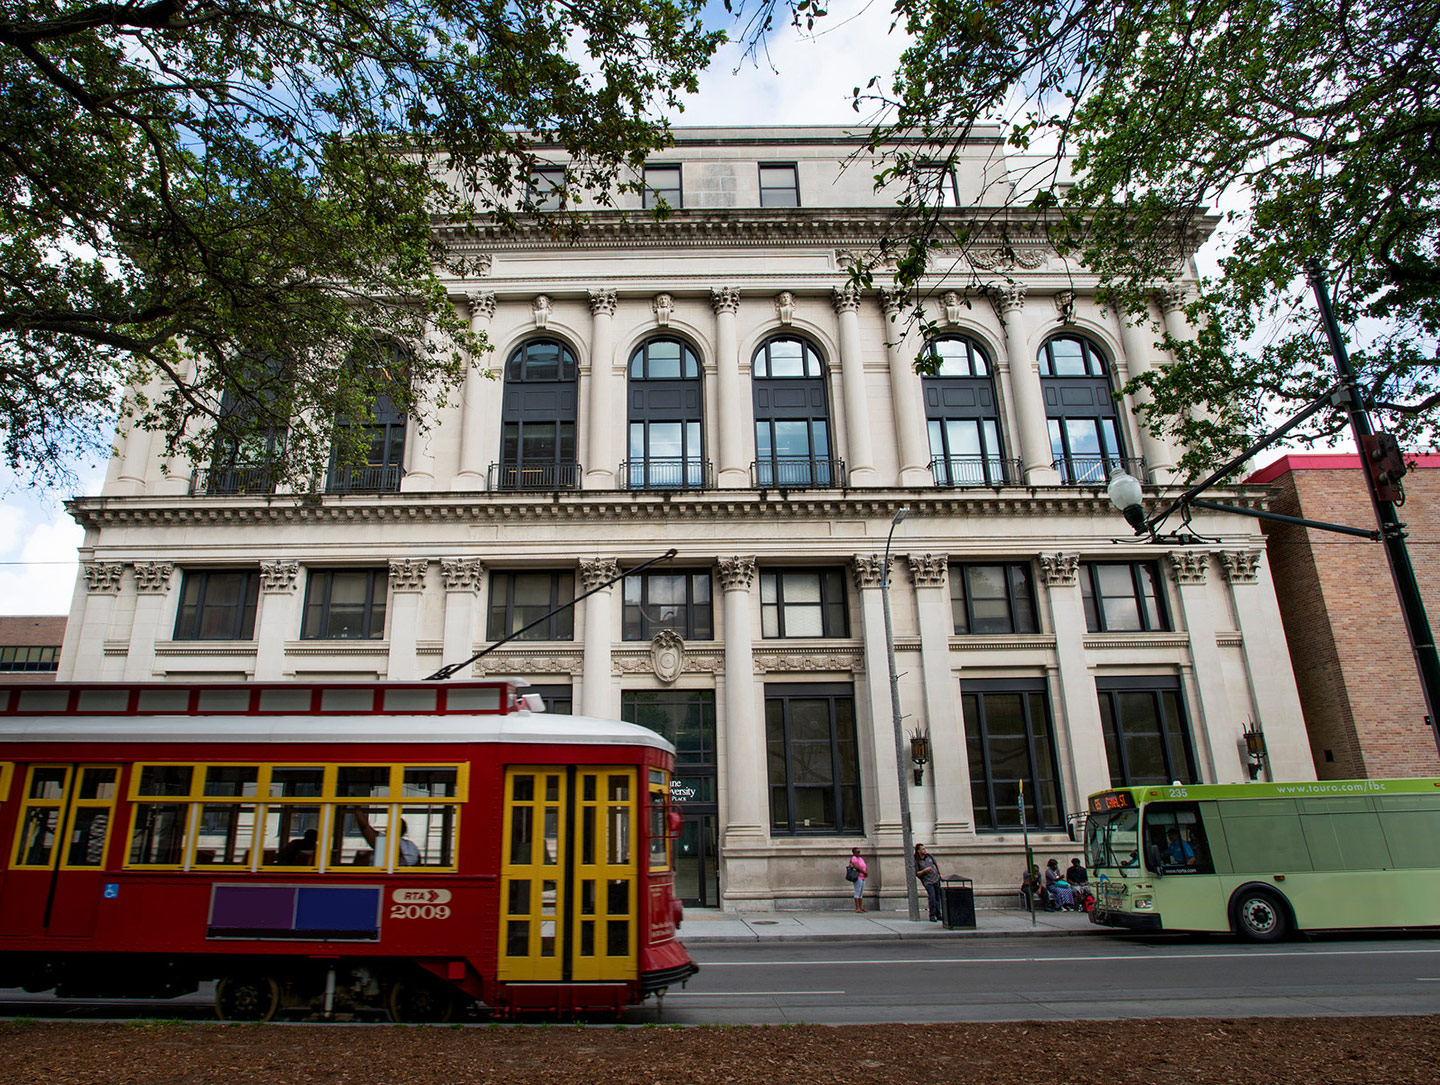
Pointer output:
957, 903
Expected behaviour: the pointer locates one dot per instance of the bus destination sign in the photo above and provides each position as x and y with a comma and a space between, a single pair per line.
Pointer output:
1107, 801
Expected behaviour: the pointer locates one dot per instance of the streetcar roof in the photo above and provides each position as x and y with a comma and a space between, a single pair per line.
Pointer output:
514, 727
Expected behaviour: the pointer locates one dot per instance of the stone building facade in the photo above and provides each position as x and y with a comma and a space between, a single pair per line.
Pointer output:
1352, 658
712, 382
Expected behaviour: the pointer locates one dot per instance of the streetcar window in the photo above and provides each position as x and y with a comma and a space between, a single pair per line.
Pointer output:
38, 836
285, 700
88, 830
164, 700
520, 897
473, 699
432, 830
223, 700
430, 783
47, 783
291, 835
158, 838
360, 700
226, 834
297, 783
587, 896
522, 834
164, 781
617, 897
97, 783
232, 781
363, 781
617, 938
410, 700
523, 789
517, 938
619, 789
551, 854
360, 836
103, 700
619, 835
587, 835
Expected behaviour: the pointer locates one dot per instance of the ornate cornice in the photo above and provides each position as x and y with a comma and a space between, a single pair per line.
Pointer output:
103, 577
1059, 570
462, 574
595, 571
1131, 641
153, 577
996, 642
928, 570
534, 664
279, 577
408, 574
736, 574
772, 660
1188, 566
1240, 566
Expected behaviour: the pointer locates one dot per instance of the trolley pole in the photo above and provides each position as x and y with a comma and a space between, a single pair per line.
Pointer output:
1029, 857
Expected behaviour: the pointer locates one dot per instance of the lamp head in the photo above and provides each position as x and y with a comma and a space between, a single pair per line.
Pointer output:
1126, 495
899, 516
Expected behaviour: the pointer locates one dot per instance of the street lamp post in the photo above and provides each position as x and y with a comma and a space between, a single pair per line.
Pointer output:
906, 835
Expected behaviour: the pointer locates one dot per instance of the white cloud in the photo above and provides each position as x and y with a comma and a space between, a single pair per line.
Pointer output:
38, 543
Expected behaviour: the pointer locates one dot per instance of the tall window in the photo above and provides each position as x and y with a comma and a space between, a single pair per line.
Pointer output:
937, 184
251, 430
687, 719
217, 604
369, 451
960, 414
803, 603
517, 599
662, 183
665, 417
1010, 742
345, 604
676, 599
1084, 424
1123, 597
537, 443
1147, 739
546, 189
814, 767
992, 599
792, 416
779, 185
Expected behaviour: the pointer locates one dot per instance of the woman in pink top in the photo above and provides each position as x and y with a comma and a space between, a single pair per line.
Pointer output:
857, 864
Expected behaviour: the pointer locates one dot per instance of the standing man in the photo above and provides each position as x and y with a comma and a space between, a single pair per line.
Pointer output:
928, 871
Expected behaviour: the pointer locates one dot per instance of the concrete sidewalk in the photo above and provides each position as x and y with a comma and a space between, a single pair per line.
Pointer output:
705, 925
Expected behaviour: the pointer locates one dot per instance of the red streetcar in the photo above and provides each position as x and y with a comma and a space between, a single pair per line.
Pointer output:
340, 849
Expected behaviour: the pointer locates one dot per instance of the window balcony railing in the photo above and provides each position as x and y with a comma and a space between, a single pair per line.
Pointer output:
381, 479
976, 471
798, 473
540, 476
1095, 470
666, 473
255, 478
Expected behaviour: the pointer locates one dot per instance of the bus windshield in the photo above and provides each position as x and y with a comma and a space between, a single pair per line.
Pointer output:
1112, 841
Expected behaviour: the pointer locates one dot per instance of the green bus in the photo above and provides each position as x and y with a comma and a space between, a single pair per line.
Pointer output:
1265, 860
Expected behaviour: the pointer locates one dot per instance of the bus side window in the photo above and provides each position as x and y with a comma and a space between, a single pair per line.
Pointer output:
1175, 840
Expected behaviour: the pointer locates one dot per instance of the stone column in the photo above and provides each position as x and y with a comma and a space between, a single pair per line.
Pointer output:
407, 585
1173, 299
743, 778
1079, 734
420, 440
949, 769
1268, 670
599, 451
907, 396
1208, 720
861, 457
464, 579
102, 585
597, 692
278, 619
477, 392
1033, 442
1136, 338
152, 583
729, 428
883, 801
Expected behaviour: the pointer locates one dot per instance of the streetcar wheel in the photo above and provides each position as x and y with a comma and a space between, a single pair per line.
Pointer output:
247, 996
418, 1000
1260, 917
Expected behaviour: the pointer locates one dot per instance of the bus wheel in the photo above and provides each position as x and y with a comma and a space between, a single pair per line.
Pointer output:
419, 999
1260, 917
247, 996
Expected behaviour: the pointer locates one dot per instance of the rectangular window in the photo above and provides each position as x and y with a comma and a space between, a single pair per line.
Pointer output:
1147, 739
218, 604
662, 183
672, 600
547, 188
517, 599
779, 185
29, 658
803, 603
937, 184
992, 599
1009, 739
1123, 596
813, 763
345, 604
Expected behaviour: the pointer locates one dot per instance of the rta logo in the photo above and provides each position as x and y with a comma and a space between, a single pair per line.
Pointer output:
421, 896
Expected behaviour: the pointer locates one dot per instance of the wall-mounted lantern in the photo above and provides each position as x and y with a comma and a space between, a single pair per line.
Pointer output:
920, 754
1255, 750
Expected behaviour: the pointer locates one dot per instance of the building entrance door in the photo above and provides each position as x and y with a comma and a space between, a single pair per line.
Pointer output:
697, 879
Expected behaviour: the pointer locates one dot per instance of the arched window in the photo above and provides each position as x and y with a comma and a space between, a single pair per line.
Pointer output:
792, 416
1084, 423
537, 439
961, 416
665, 412
368, 454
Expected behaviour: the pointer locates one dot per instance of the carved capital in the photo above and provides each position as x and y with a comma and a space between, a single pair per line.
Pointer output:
1059, 570
1188, 566
279, 577
482, 304
928, 570
408, 574
868, 570
153, 577
845, 299
1240, 566
1172, 297
602, 301
737, 574
891, 302
595, 571
462, 574
664, 307
540, 310
103, 577
785, 306
724, 299
1007, 297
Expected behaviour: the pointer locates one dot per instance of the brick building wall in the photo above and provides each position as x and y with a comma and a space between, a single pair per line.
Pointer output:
1353, 664
30, 646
